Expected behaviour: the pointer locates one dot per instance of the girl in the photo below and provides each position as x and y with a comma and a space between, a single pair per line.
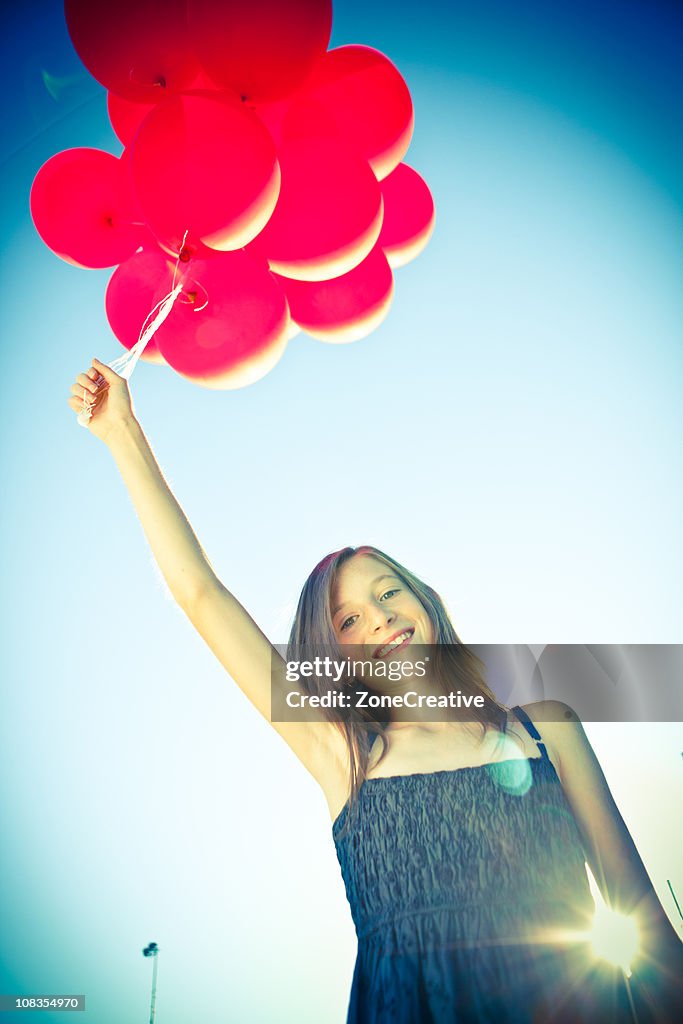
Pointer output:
462, 849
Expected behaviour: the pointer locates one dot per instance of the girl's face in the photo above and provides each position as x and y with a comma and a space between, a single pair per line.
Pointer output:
373, 607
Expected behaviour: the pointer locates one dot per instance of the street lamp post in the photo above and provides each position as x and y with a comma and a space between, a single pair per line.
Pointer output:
152, 950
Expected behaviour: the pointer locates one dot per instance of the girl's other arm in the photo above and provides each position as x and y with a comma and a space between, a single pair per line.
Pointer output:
612, 854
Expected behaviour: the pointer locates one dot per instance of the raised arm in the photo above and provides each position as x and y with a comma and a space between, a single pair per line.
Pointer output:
224, 624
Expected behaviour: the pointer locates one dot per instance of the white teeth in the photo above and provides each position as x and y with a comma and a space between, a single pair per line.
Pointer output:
394, 643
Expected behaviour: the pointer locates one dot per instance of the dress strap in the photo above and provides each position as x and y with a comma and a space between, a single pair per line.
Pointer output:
532, 730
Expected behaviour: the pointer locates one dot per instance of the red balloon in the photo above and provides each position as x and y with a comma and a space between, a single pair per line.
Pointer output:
136, 48
84, 208
203, 164
261, 48
346, 308
133, 291
126, 116
229, 326
358, 93
408, 215
272, 114
192, 249
329, 213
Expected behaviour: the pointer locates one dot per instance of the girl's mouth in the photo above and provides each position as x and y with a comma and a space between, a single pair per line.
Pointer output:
398, 640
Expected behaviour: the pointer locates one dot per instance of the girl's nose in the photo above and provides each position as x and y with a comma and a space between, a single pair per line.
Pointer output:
380, 616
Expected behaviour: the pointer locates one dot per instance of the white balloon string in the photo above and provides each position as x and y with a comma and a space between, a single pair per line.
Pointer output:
125, 364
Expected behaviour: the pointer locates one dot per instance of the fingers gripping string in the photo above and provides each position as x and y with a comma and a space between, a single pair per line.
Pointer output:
125, 364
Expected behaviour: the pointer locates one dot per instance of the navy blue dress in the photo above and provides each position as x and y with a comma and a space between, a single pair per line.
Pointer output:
468, 890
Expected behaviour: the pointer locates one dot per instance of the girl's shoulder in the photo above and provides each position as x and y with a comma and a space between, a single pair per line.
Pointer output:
550, 719
550, 713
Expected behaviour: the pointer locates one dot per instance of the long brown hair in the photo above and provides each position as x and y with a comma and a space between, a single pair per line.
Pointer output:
453, 663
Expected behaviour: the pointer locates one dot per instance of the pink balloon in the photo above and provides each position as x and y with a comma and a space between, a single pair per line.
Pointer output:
359, 94
135, 48
192, 249
346, 308
126, 116
203, 164
133, 291
329, 213
229, 326
408, 215
271, 114
261, 48
84, 208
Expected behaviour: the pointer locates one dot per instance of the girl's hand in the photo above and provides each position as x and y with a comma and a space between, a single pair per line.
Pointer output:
106, 396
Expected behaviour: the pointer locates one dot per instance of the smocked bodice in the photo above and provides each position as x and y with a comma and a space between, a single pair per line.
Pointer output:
483, 838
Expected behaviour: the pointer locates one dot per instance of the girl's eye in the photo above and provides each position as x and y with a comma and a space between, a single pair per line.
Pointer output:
347, 623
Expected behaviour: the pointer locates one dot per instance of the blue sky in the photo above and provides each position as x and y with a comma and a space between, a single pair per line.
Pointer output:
512, 432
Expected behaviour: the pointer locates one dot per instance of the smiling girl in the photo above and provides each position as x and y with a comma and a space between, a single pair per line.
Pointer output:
462, 841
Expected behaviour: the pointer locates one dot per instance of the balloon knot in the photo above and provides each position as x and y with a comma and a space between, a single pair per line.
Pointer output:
184, 255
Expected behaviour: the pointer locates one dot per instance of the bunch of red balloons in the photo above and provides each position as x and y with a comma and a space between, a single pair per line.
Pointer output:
259, 169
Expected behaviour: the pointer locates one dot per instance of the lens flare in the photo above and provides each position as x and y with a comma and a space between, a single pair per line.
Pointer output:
613, 937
